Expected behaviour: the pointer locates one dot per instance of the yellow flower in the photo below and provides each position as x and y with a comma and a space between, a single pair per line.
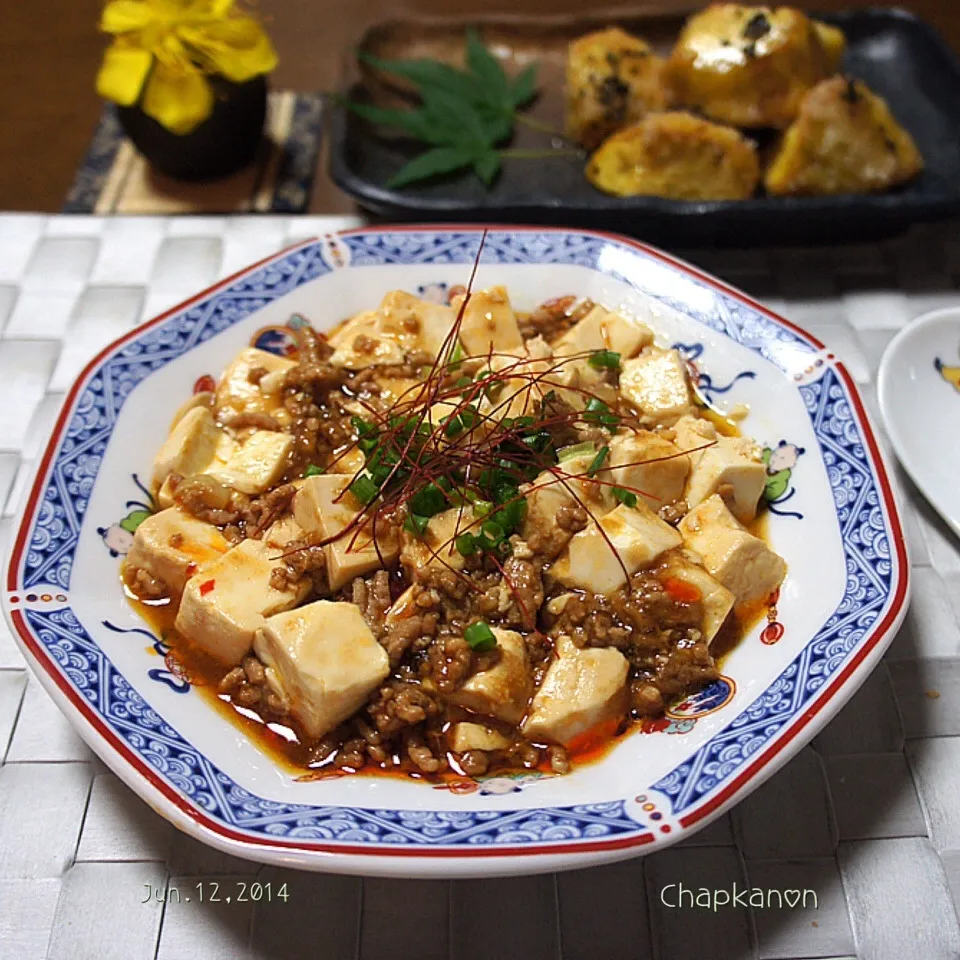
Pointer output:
165, 49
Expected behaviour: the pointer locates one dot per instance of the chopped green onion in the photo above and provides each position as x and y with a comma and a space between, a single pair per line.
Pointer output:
492, 390
482, 507
577, 450
538, 442
452, 427
511, 515
313, 470
363, 427
428, 501
597, 411
456, 356
468, 416
415, 524
462, 382
492, 531
605, 359
364, 489
598, 461
480, 637
626, 497
466, 544
367, 434
379, 472
517, 423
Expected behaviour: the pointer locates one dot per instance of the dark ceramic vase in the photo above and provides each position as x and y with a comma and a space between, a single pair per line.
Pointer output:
222, 144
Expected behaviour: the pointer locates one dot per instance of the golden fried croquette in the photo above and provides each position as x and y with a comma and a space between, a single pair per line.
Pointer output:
749, 66
676, 155
834, 44
845, 140
613, 80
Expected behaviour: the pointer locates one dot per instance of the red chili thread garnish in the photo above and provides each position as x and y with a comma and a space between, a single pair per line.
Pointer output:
523, 382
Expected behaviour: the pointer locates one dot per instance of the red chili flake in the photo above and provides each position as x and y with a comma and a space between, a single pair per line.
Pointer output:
191, 569
205, 384
206, 587
681, 591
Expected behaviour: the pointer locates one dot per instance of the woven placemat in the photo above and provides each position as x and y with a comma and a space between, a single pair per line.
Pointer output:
866, 818
114, 178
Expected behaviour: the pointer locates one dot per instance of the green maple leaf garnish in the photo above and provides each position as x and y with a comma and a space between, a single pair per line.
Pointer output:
464, 116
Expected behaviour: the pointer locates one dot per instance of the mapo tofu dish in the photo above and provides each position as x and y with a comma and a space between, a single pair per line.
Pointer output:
454, 539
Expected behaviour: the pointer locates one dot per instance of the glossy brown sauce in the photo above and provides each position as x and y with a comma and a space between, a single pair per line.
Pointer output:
284, 744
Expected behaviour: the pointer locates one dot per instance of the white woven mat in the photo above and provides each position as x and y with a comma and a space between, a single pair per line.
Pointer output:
868, 817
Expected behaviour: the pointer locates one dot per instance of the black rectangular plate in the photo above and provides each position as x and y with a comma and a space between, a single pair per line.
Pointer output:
895, 53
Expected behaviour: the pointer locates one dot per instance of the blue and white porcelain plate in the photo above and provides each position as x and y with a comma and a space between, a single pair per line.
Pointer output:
832, 516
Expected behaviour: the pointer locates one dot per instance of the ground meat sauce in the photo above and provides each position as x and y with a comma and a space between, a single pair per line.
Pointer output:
659, 636
403, 725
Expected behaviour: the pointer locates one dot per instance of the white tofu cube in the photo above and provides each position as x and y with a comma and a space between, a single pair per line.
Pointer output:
403, 324
550, 492
693, 435
256, 464
239, 390
743, 563
350, 462
715, 599
418, 324
527, 376
345, 332
436, 546
657, 385
502, 689
583, 695
488, 323
282, 531
225, 604
202, 399
189, 448
361, 342
319, 508
466, 736
637, 535
648, 465
323, 661
164, 496
602, 329
172, 546
733, 467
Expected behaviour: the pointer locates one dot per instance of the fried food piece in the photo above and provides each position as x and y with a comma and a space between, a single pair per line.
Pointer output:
834, 44
679, 156
845, 140
749, 66
613, 80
